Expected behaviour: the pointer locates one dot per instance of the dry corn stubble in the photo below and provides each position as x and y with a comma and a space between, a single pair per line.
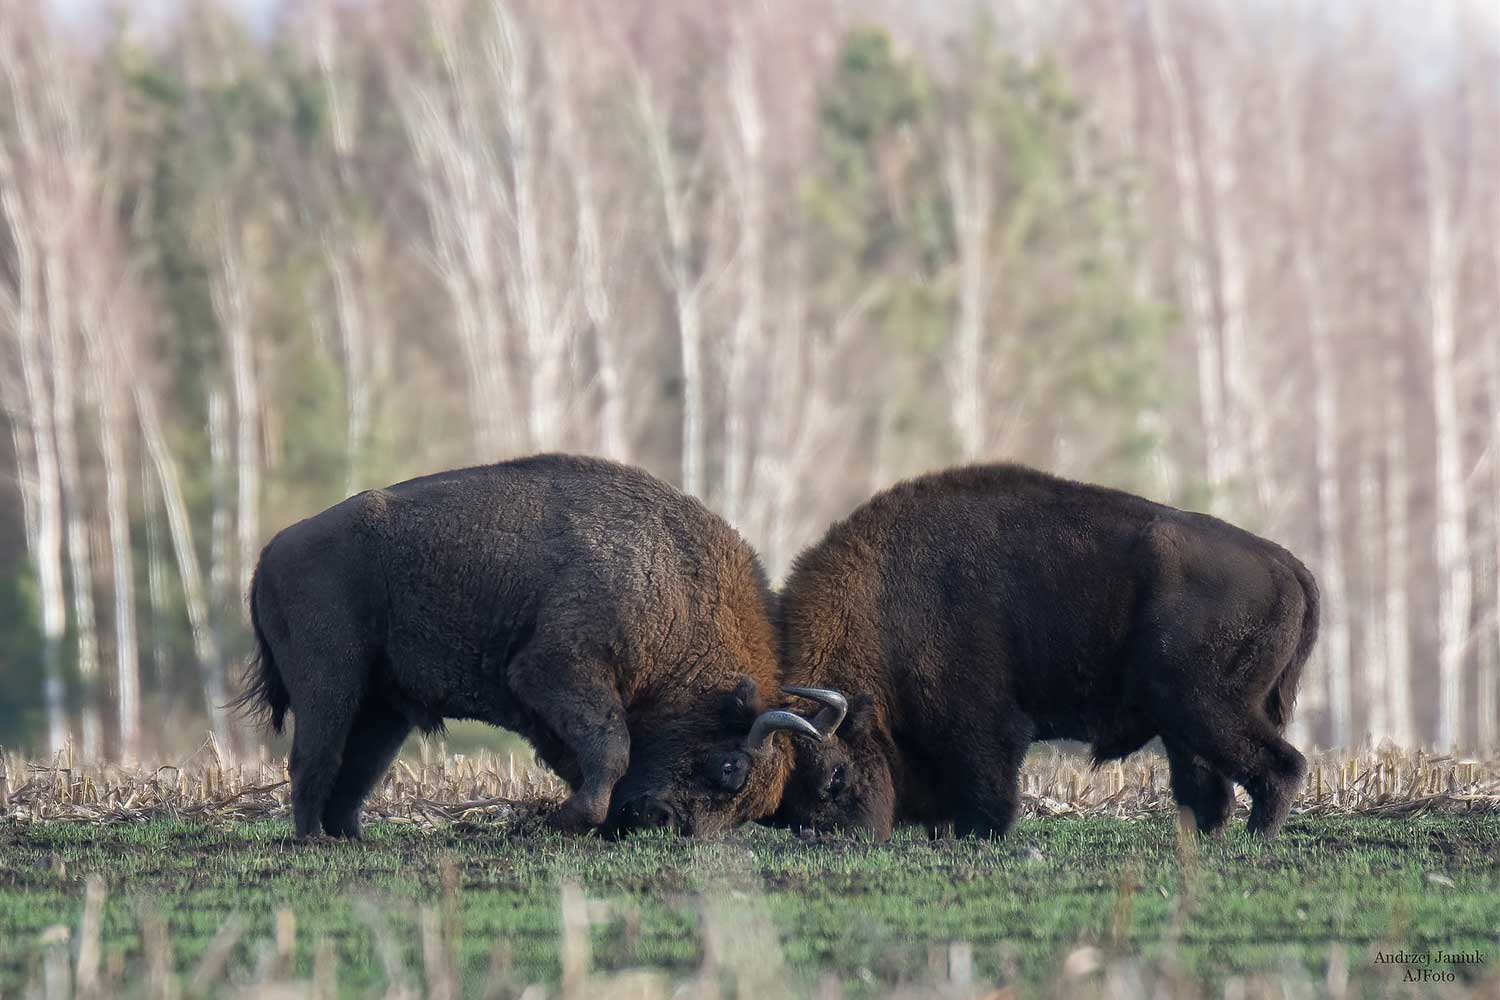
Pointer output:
442, 788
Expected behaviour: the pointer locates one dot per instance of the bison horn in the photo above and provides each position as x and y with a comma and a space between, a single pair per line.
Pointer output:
770, 722
835, 707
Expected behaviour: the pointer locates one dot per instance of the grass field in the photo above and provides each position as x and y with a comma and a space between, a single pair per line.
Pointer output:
182, 880
484, 904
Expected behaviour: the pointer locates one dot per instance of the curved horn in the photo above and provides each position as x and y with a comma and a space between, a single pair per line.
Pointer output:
772, 721
835, 707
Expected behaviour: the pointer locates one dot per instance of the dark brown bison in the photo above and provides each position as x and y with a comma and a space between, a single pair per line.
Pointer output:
615, 623
972, 611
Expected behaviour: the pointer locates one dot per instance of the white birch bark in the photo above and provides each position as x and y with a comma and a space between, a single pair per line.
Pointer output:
1488, 736
594, 280
1246, 436
180, 529
1192, 268
967, 173
1451, 537
346, 254
47, 538
230, 293
685, 286
117, 512
746, 171
13, 405
1374, 670
1307, 271
535, 300
1396, 540
60, 329
350, 320
457, 178
220, 562
156, 567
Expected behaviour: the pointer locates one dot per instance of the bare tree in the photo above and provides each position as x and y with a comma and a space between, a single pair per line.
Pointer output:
746, 174
179, 525
685, 281
457, 177
1305, 221
232, 308
1451, 537
113, 406
968, 172
1397, 603
348, 253
1192, 268
594, 274
23, 313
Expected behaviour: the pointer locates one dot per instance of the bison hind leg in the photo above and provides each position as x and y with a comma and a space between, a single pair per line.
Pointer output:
374, 740
1198, 787
1250, 751
1274, 788
317, 755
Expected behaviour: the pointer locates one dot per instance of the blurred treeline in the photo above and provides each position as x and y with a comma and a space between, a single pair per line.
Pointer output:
1238, 257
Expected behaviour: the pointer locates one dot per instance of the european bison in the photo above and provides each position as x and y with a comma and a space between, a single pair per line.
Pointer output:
618, 625
972, 611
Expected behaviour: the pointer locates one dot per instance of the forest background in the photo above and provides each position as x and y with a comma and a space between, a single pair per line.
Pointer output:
1240, 257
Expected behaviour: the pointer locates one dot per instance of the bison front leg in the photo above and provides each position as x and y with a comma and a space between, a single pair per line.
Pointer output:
579, 705
1198, 787
987, 768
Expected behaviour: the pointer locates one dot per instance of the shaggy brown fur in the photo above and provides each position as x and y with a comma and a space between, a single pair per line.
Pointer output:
972, 611
615, 623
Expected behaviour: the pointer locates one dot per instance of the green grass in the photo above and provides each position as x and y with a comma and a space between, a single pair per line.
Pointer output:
865, 912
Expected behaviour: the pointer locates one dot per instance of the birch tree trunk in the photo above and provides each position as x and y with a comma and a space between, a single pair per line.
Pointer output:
1489, 681
1192, 268
747, 176
1305, 212
594, 280
967, 172
46, 542
1454, 571
685, 286
220, 562
179, 527
535, 300
349, 319
455, 175
117, 512
1397, 604
1374, 668
156, 567
231, 302
346, 265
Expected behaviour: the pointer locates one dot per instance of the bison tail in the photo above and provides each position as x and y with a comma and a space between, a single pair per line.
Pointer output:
1283, 695
263, 695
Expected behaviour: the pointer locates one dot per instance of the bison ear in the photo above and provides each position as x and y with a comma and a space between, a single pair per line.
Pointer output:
861, 718
742, 705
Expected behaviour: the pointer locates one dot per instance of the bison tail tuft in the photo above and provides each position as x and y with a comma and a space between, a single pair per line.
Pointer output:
1283, 695
263, 695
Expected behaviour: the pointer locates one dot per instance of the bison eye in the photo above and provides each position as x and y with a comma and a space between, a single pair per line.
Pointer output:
836, 781
731, 772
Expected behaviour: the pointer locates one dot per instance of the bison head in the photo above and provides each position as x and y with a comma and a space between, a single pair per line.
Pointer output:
843, 782
702, 772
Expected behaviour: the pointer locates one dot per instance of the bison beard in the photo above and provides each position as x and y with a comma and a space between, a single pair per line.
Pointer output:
591, 608
976, 610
